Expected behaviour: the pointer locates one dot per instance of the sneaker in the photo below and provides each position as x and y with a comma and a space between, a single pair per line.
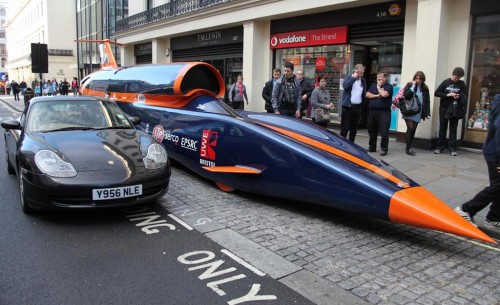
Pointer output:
410, 152
383, 153
438, 151
454, 153
492, 225
465, 215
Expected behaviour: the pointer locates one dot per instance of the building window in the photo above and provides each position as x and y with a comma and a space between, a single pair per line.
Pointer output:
485, 75
2, 34
2, 12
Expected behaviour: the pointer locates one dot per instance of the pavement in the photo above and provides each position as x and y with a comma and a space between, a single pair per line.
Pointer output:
332, 257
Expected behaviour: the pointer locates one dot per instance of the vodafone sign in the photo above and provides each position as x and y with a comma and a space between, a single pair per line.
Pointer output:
325, 36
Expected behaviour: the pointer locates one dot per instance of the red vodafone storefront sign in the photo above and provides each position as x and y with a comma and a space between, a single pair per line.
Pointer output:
325, 36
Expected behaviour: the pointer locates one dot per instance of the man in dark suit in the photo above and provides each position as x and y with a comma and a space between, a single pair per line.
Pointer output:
267, 91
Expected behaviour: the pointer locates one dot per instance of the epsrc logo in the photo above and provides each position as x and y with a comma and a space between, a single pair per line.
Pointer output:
208, 143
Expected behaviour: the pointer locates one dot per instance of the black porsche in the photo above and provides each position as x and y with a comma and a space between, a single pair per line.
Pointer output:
78, 152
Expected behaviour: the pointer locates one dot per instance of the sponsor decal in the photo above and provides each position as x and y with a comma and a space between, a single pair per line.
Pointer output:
325, 36
158, 133
208, 143
189, 144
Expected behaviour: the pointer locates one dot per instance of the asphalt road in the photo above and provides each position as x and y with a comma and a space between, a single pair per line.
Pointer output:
142, 255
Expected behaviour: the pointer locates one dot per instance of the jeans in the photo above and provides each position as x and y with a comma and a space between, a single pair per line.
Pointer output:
379, 120
349, 121
487, 195
443, 128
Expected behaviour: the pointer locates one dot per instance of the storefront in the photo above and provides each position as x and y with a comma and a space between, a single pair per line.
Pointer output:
143, 53
221, 48
333, 42
484, 69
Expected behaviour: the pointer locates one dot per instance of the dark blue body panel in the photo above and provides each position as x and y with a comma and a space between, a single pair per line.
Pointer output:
200, 135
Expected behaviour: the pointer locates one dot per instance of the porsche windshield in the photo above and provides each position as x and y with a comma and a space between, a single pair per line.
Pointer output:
75, 115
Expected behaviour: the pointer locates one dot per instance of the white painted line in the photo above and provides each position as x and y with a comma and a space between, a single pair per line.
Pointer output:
474, 242
242, 262
182, 223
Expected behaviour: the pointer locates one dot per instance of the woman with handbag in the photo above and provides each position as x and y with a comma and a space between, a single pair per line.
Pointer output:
417, 88
320, 101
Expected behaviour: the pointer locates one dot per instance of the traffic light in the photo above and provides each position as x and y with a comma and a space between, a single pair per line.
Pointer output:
39, 58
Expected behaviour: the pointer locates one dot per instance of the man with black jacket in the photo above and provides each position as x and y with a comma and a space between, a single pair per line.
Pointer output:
267, 91
379, 118
451, 90
306, 89
286, 96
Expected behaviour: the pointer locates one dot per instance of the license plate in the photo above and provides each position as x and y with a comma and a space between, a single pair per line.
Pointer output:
117, 192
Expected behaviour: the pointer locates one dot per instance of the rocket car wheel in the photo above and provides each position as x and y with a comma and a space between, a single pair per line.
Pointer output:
224, 187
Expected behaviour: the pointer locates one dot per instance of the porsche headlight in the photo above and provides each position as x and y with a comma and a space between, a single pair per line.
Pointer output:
156, 157
50, 163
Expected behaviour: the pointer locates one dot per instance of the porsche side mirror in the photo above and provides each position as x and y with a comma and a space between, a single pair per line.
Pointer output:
135, 120
11, 124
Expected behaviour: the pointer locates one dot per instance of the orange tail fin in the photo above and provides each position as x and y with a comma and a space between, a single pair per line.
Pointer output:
107, 56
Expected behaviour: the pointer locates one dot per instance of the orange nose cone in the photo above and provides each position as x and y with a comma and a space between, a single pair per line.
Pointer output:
416, 206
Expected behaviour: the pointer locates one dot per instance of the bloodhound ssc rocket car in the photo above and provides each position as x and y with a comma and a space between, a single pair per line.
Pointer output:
268, 154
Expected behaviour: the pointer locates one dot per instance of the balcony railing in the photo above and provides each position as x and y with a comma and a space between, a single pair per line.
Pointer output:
171, 9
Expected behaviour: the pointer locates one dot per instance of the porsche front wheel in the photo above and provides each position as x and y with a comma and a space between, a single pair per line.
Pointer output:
27, 209
10, 168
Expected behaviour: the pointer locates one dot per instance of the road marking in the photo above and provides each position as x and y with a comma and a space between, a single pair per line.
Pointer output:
242, 262
474, 242
8, 106
182, 223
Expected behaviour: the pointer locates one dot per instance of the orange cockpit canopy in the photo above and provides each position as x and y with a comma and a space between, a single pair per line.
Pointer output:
167, 79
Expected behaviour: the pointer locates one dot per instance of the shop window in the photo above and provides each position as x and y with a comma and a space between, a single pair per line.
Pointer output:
332, 60
485, 81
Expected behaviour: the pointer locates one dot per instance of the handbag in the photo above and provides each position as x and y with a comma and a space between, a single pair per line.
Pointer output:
410, 106
322, 115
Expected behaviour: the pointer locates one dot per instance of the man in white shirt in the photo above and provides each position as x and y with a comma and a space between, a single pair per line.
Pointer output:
354, 94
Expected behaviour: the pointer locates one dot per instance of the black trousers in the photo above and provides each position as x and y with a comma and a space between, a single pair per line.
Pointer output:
349, 121
487, 195
443, 128
379, 121
238, 105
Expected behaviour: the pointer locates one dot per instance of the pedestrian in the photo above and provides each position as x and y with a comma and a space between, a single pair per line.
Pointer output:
490, 194
419, 88
15, 90
238, 94
38, 89
320, 102
379, 117
55, 86
74, 86
354, 95
452, 91
64, 85
306, 90
34, 84
286, 97
267, 91
23, 86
